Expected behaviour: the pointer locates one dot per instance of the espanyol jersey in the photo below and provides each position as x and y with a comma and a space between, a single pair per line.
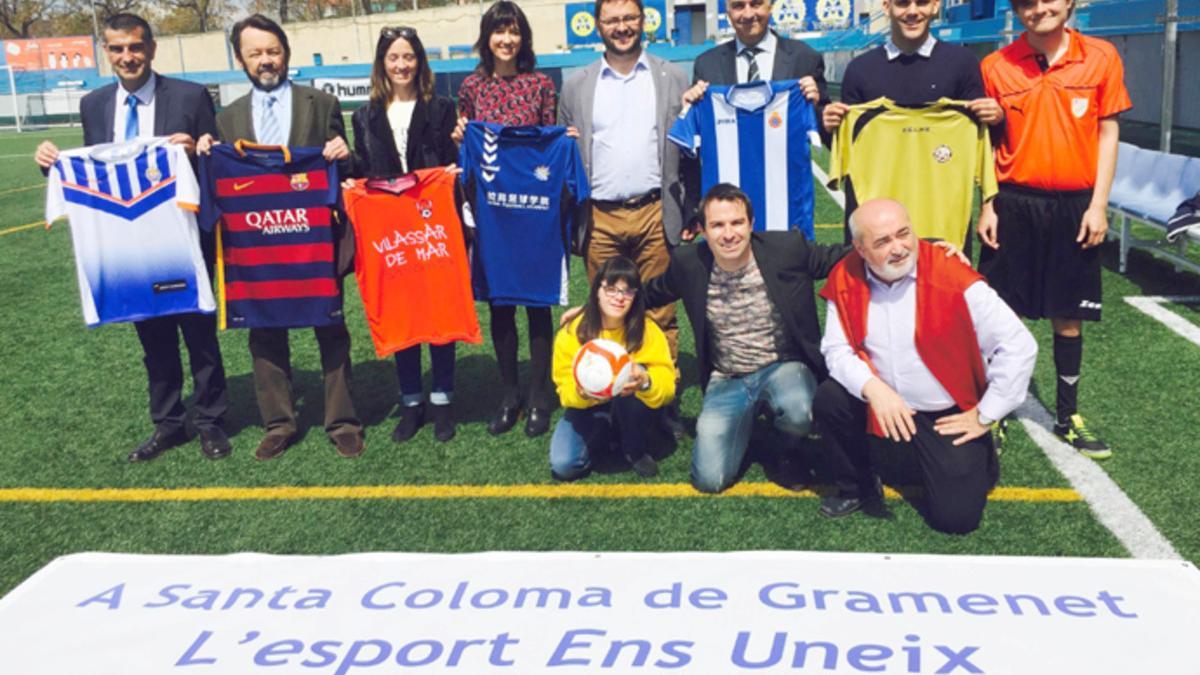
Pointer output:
411, 262
275, 254
756, 136
936, 155
132, 208
524, 184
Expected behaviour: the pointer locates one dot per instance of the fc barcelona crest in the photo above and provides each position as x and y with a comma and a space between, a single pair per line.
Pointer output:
300, 182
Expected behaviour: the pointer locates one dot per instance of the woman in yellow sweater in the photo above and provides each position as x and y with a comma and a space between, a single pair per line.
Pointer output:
616, 311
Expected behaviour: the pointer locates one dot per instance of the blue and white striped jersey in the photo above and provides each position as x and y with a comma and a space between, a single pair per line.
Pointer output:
757, 137
131, 207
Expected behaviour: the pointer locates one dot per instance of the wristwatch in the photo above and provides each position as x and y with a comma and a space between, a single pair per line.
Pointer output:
645, 385
984, 420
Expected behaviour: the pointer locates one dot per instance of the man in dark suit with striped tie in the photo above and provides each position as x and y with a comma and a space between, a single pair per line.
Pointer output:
757, 53
143, 104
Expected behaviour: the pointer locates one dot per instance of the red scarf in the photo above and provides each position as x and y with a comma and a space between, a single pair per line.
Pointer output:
945, 336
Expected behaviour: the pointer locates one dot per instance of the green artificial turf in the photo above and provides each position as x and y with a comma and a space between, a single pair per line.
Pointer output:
74, 403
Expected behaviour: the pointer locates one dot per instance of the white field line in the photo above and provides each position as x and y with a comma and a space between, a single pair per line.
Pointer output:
1112, 507
1151, 305
821, 177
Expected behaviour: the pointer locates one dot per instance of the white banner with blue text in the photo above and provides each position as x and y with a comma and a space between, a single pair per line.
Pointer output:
772, 612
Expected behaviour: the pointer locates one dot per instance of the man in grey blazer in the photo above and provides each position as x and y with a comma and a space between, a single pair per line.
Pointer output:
622, 107
143, 104
757, 53
302, 117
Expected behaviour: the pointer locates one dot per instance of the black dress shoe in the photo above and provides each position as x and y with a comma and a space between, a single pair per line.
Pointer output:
443, 422
157, 444
214, 443
505, 419
537, 423
839, 507
411, 419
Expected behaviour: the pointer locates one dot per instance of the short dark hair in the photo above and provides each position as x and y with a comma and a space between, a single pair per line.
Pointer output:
500, 15
600, 3
259, 22
726, 192
124, 22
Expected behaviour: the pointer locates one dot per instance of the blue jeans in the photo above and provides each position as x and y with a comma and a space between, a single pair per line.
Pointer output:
408, 371
582, 432
727, 418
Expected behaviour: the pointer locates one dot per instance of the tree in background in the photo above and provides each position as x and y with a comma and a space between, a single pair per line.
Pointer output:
25, 18
192, 16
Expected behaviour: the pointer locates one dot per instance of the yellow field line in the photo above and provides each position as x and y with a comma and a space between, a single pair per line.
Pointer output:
22, 189
19, 228
430, 492
828, 226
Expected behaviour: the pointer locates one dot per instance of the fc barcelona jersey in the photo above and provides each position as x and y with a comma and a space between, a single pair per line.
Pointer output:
275, 253
131, 207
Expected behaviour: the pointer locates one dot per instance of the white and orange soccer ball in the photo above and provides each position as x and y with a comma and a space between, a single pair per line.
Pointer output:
602, 368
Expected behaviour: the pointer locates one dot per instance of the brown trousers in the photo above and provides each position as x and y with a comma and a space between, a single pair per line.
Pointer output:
638, 235
273, 379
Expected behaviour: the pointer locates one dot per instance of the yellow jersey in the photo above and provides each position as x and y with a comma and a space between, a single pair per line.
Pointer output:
929, 159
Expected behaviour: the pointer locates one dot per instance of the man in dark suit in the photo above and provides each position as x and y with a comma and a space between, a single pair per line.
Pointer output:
757, 53
277, 112
749, 297
144, 104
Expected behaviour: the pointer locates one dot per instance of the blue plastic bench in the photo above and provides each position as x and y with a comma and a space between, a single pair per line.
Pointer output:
1149, 185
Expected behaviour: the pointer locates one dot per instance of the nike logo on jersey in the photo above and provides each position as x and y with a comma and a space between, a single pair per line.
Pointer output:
238, 187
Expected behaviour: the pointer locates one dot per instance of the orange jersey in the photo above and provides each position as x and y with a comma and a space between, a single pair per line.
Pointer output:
1052, 119
411, 261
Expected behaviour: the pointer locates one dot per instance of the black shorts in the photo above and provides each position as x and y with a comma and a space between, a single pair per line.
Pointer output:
1040, 270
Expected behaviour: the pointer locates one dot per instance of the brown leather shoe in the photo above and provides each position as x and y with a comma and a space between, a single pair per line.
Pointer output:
348, 445
272, 446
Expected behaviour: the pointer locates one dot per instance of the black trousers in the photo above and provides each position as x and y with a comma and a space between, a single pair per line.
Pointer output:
956, 479
164, 369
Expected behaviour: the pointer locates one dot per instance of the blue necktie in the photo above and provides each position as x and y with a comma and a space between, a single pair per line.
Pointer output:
270, 125
131, 118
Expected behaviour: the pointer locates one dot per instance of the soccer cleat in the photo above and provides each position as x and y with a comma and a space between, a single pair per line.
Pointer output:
1075, 432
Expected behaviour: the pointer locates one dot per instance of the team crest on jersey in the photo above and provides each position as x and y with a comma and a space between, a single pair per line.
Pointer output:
300, 182
1079, 106
542, 173
942, 154
775, 120
153, 174
426, 208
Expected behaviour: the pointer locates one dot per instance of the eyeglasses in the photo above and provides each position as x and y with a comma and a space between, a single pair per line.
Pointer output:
393, 32
614, 292
629, 20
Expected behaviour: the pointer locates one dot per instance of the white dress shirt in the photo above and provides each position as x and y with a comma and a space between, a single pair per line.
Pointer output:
765, 58
1009, 350
145, 108
625, 134
283, 109
924, 51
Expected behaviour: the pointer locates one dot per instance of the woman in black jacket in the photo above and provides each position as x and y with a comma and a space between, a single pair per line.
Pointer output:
406, 127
